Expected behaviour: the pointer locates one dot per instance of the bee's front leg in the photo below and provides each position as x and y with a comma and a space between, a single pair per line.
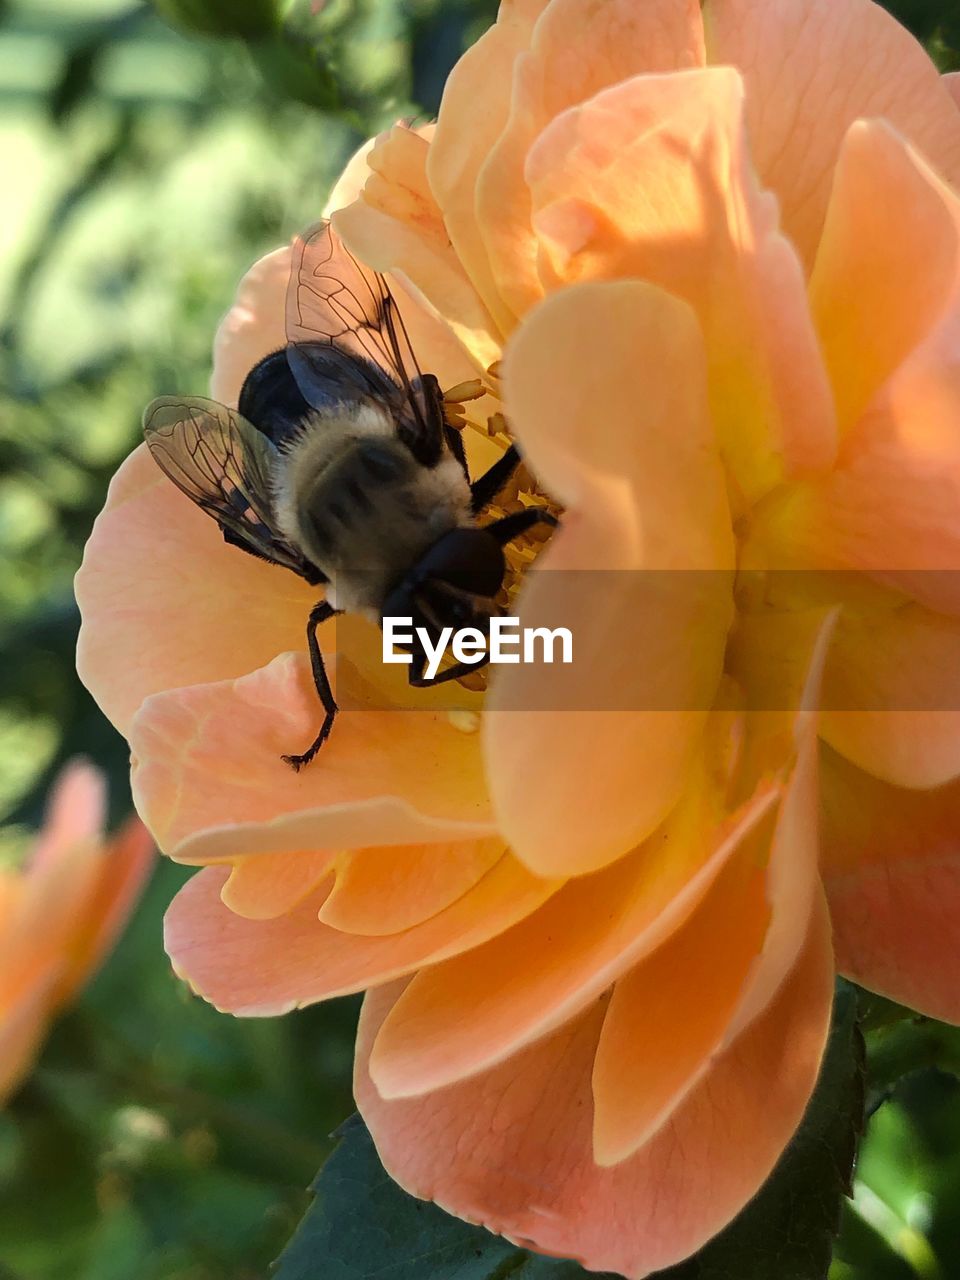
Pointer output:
320, 613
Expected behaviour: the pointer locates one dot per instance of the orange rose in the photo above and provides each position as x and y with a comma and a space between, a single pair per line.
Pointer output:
61, 915
596, 938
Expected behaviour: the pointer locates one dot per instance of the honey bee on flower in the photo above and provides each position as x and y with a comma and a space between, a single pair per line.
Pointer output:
340, 465
711, 252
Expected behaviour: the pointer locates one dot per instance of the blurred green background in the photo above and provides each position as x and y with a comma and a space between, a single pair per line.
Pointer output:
142, 169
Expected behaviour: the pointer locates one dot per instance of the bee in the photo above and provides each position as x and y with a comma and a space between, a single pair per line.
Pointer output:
340, 466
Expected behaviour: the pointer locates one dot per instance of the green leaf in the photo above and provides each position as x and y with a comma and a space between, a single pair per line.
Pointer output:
362, 1226
787, 1231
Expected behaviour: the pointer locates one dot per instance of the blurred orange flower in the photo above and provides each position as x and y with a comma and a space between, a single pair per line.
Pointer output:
61, 914
596, 938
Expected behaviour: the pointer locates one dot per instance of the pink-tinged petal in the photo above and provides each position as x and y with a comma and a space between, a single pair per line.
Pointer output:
584, 760
396, 227
124, 866
22, 1028
383, 777
512, 1149
901, 664
891, 867
386, 890
52, 903
267, 967
166, 603
652, 179
886, 266
578, 48
267, 886
254, 326
474, 1011
891, 508
951, 82
76, 812
351, 182
813, 67
464, 137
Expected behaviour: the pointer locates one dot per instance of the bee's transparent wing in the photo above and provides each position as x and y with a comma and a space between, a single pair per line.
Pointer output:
332, 299
222, 463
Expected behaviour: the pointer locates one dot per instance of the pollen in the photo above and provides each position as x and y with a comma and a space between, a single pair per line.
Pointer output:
463, 720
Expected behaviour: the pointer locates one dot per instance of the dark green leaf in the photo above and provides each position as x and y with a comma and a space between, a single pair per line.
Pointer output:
787, 1231
361, 1226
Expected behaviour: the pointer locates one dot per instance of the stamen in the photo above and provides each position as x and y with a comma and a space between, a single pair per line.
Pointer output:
472, 390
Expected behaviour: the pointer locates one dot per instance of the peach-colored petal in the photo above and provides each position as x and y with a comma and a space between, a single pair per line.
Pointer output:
669, 1015
891, 508
352, 180
166, 602
584, 760
54, 900
396, 227
887, 262
124, 867
386, 890
891, 866
266, 967
254, 326
76, 811
477, 1009
512, 1148
464, 137
813, 67
902, 666
652, 179
22, 1028
270, 885
578, 48
384, 777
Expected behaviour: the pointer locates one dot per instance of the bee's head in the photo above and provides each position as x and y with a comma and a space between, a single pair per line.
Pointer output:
455, 580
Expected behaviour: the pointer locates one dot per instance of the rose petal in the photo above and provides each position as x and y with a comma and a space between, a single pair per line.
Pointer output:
254, 326
584, 761
891, 508
902, 665
578, 48
652, 179
266, 967
887, 262
813, 67
891, 865
262, 888
22, 1029
383, 777
465, 136
512, 1148
124, 866
76, 811
474, 1011
396, 226
386, 890
669, 1015
166, 603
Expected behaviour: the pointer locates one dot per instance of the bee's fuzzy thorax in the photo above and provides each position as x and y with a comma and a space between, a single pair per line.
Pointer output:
363, 532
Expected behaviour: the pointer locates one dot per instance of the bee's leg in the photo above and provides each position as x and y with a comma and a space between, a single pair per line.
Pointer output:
486, 487
417, 680
320, 613
511, 526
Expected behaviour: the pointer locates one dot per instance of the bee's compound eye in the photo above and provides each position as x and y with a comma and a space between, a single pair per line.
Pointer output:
383, 460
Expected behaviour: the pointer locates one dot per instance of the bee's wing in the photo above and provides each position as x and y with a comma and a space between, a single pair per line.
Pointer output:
222, 463
333, 299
